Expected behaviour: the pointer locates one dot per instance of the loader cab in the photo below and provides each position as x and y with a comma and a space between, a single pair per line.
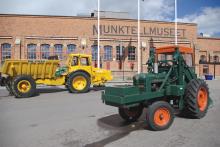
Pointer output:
79, 62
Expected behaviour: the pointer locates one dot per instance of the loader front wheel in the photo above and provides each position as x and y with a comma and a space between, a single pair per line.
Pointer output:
131, 114
160, 116
78, 82
196, 99
23, 86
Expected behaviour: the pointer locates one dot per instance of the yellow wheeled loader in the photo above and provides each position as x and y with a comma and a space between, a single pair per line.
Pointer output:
21, 76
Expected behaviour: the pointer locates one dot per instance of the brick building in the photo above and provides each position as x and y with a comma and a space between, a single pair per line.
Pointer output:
37, 37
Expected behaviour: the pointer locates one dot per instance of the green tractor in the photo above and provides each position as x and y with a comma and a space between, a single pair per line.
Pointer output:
170, 86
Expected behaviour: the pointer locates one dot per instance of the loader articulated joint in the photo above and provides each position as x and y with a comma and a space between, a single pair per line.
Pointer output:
2, 80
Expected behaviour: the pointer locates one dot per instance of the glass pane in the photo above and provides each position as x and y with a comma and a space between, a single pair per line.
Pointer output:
71, 48
188, 59
45, 51
58, 50
131, 53
94, 52
75, 61
6, 51
84, 61
108, 53
31, 49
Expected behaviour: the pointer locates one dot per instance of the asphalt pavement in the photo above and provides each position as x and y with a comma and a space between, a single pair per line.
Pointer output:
56, 118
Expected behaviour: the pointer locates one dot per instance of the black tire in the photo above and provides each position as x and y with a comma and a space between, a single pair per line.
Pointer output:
26, 79
159, 116
192, 107
71, 78
131, 114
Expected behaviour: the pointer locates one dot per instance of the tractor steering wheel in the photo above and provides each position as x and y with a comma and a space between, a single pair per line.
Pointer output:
163, 64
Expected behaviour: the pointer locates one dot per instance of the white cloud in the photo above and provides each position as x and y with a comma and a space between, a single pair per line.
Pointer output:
158, 9
208, 20
150, 9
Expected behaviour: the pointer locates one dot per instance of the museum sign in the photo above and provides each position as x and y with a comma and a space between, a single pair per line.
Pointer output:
124, 30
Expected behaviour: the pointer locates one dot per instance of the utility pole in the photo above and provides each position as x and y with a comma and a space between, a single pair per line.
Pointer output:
176, 22
138, 48
98, 47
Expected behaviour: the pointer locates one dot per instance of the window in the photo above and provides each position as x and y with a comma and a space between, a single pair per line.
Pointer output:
118, 53
107, 52
94, 52
188, 59
162, 57
202, 59
131, 53
205, 69
31, 50
216, 58
71, 48
84, 61
6, 51
58, 50
45, 51
75, 61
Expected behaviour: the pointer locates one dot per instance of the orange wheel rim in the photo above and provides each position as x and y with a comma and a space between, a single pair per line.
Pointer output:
162, 117
202, 99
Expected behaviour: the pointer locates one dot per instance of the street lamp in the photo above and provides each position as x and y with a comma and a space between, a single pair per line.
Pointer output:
83, 43
18, 42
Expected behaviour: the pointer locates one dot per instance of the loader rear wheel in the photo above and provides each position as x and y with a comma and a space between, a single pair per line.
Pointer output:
23, 86
160, 116
78, 82
196, 99
131, 114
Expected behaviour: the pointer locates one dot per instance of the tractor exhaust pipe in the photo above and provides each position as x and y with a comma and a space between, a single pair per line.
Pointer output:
156, 63
155, 67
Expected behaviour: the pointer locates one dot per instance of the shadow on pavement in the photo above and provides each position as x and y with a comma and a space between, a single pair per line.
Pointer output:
118, 129
50, 90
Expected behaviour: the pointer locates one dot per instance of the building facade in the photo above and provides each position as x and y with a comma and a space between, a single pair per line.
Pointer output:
38, 37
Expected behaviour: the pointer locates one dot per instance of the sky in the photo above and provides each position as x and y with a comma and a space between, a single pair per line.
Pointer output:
206, 13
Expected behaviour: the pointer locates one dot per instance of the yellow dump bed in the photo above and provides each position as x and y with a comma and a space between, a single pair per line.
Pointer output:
38, 69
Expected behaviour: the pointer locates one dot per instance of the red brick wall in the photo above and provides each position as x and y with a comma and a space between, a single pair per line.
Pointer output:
68, 30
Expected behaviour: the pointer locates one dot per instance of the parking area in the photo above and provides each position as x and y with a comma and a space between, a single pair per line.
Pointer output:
56, 118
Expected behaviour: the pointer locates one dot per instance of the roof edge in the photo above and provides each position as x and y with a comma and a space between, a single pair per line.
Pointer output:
80, 17
213, 38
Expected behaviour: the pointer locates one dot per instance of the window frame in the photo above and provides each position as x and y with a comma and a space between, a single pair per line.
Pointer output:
131, 54
94, 53
73, 49
31, 53
87, 61
216, 59
118, 52
6, 54
108, 52
58, 51
202, 59
46, 53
